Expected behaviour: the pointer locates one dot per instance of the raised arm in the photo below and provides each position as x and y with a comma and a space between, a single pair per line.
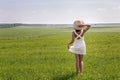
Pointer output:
72, 40
87, 28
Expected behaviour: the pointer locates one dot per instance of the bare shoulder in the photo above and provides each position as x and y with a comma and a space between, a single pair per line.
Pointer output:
73, 33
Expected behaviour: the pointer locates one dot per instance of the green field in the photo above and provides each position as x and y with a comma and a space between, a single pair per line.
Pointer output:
40, 53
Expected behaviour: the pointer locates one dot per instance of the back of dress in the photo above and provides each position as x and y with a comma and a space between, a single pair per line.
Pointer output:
79, 39
79, 44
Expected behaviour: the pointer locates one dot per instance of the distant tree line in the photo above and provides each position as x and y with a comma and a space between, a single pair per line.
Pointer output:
9, 25
69, 25
20, 24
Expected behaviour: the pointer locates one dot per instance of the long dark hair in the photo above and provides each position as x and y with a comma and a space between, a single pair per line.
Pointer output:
77, 30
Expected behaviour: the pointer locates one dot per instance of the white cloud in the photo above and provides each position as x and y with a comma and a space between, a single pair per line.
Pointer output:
101, 9
118, 7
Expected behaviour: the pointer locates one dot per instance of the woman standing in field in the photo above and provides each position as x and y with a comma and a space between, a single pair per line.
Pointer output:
79, 47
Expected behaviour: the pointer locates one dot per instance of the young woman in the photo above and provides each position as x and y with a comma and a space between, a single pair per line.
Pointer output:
79, 47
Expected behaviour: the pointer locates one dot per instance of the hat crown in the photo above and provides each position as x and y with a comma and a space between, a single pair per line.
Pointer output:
77, 23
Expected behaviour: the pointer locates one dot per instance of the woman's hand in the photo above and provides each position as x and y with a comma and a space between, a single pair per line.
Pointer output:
88, 27
68, 46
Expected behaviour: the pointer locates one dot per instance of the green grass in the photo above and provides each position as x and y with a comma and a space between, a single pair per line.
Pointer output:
40, 53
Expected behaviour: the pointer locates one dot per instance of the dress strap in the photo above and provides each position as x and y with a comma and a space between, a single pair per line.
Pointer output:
81, 32
78, 35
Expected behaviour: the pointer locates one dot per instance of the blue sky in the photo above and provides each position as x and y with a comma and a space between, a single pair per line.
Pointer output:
59, 11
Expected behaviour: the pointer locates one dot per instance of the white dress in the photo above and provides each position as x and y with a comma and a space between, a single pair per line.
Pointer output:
79, 46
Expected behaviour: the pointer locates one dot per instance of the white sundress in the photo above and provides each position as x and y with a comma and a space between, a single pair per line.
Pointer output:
79, 46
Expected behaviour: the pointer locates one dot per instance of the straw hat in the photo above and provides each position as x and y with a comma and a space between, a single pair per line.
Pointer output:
77, 23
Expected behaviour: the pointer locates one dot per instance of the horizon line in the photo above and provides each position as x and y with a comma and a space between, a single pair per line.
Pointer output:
61, 23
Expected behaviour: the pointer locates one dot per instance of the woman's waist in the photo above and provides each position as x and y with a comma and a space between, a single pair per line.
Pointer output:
79, 45
79, 42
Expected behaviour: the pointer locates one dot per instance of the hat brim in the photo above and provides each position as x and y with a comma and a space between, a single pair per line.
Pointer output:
78, 28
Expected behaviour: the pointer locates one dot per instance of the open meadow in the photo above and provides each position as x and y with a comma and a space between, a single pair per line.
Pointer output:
40, 53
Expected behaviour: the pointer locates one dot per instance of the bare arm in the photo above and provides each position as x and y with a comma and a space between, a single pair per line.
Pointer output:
86, 29
72, 40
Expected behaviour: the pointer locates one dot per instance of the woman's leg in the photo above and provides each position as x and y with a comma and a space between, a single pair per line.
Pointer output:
77, 63
81, 63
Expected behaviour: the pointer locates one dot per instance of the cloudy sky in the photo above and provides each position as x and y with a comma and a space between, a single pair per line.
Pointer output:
59, 11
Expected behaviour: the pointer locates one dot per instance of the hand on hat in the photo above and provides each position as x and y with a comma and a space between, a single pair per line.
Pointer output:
78, 24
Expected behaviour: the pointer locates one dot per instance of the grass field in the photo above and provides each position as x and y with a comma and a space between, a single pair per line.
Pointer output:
40, 53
